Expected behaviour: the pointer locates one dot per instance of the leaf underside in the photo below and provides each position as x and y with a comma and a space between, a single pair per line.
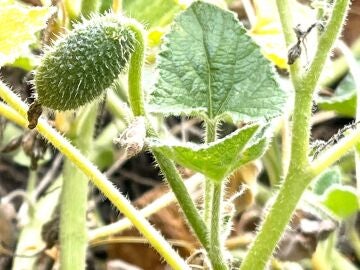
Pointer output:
212, 67
217, 160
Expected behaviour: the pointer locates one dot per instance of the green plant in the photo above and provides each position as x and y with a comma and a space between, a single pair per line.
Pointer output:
212, 70
91, 56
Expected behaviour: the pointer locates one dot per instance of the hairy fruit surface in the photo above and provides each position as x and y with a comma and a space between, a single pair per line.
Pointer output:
82, 64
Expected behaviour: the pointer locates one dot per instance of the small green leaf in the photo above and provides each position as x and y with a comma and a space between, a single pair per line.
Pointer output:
327, 179
18, 27
217, 160
212, 67
344, 100
341, 200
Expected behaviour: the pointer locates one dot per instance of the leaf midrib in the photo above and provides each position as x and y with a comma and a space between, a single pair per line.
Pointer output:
210, 105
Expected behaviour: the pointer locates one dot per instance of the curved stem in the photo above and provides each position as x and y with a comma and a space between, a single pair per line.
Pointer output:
298, 175
136, 98
100, 181
166, 165
192, 184
290, 192
178, 187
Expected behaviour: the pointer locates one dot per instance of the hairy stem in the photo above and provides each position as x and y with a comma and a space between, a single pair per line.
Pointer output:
290, 193
100, 181
73, 206
210, 129
178, 187
212, 208
334, 153
11, 114
355, 72
326, 42
216, 253
166, 165
136, 97
298, 175
192, 184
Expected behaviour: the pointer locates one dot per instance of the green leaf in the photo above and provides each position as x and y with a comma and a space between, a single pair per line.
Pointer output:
341, 200
344, 100
212, 67
327, 179
217, 160
18, 27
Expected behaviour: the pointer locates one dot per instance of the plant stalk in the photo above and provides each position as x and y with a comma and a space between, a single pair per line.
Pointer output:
100, 181
212, 208
73, 200
192, 184
216, 253
178, 187
136, 100
335, 152
298, 176
210, 129
136, 96
290, 192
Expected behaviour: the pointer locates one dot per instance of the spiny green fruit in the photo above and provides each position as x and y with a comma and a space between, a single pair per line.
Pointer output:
82, 64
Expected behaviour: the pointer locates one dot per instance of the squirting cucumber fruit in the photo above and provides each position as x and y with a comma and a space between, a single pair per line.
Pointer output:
83, 63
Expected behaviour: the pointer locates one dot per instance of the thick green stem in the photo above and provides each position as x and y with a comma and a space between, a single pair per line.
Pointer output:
12, 115
298, 175
326, 42
136, 98
211, 135
166, 165
208, 198
178, 187
275, 222
212, 208
73, 206
100, 181
192, 184
216, 253
290, 193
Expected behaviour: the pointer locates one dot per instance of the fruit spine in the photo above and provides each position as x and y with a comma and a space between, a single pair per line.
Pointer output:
82, 64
